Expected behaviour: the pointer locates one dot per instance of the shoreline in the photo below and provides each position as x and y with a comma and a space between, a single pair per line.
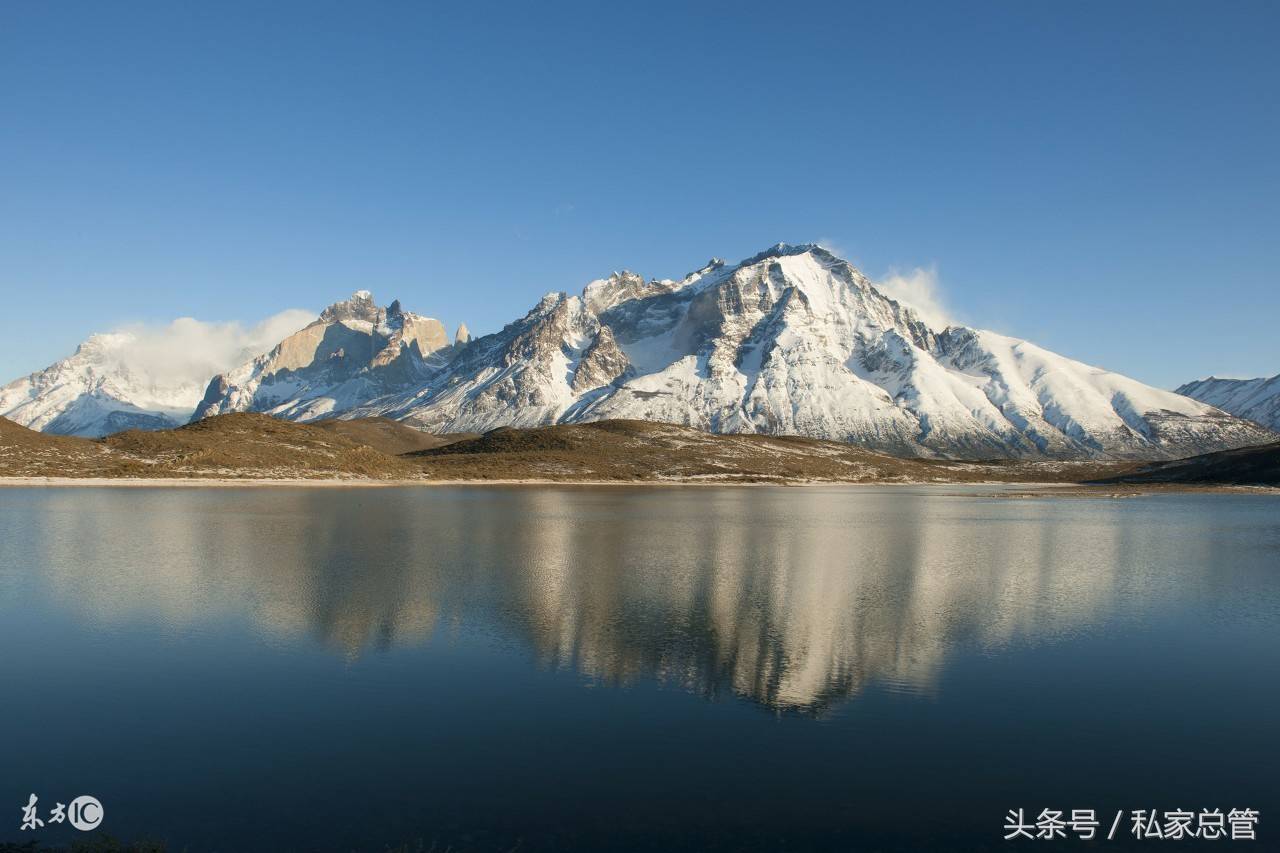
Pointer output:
1028, 489
363, 483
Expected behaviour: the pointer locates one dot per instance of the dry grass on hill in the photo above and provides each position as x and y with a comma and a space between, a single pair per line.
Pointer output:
388, 436
1245, 466
629, 450
27, 453
255, 446
234, 445
245, 444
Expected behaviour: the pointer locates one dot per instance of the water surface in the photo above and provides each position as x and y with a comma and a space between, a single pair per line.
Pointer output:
615, 668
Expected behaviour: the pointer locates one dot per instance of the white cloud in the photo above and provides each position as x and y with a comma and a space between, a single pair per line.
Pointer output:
832, 247
192, 351
920, 289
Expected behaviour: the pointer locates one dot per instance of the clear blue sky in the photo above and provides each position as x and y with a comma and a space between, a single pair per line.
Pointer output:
1099, 178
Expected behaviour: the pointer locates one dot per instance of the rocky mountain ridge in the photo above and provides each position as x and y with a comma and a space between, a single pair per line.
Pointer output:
1257, 400
93, 392
353, 352
792, 341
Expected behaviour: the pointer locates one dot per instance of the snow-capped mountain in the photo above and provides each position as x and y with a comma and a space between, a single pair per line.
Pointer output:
355, 352
791, 341
94, 392
143, 377
1255, 399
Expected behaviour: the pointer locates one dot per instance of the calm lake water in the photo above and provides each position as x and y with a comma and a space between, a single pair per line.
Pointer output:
610, 668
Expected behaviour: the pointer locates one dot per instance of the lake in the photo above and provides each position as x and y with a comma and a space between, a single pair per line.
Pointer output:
577, 668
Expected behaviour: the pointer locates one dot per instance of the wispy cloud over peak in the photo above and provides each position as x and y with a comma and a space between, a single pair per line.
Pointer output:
920, 288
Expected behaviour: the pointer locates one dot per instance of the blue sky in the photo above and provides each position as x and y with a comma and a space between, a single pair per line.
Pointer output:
1099, 178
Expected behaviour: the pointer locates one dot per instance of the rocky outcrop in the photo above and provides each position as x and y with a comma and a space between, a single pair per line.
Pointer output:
603, 363
354, 352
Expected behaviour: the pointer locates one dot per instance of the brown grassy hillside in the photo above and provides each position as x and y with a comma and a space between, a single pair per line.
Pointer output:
1245, 466
255, 446
27, 453
641, 450
234, 445
388, 436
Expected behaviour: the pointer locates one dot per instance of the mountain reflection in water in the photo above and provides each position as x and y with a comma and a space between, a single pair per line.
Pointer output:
793, 598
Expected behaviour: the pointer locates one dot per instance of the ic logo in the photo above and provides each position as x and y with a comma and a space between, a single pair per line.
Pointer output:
85, 813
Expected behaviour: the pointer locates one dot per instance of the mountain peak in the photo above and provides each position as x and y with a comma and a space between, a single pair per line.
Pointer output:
101, 342
791, 341
549, 301
360, 306
783, 250
707, 268
1256, 399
